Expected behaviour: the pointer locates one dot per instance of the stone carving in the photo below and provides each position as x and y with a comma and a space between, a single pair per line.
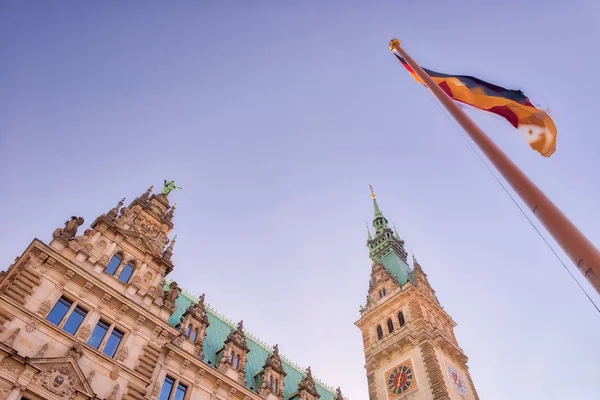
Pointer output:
44, 308
91, 376
84, 333
42, 351
136, 282
70, 229
12, 366
103, 260
179, 339
147, 279
114, 374
122, 354
59, 380
307, 384
338, 394
31, 325
11, 339
76, 351
115, 392
172, 294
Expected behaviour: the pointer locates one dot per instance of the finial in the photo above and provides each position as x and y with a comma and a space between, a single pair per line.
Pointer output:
276, 349
240, 325
373, 195
338, 394
201, 299
147, 194
112, 214
369, 237
169, 251
396, 232
394, 44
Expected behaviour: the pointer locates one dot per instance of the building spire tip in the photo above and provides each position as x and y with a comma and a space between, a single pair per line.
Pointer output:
373, 195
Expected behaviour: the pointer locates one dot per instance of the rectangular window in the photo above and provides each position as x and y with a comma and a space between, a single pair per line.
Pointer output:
172, 387
98, 334
74, 320
180, 393
112, 343
167, 386
59, 311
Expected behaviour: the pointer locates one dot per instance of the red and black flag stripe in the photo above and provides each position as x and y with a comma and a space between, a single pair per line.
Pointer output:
536, 125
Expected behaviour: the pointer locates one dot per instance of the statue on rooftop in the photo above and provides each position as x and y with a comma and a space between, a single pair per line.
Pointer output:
70, 229
169, 186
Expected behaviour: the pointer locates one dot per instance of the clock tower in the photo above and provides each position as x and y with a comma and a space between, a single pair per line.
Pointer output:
410, 348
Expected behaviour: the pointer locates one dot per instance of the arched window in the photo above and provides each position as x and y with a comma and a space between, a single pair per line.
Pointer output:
231, 358
188, 330
126, 273
237, 362
384, 293
195, 335
379, 332
390, 325
271, 382
401, 320
113, 264
276, 386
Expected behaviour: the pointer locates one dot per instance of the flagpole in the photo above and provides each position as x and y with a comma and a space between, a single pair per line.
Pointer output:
579, 249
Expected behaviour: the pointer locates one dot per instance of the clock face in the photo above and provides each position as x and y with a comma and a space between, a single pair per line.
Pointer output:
400, 379
457, 380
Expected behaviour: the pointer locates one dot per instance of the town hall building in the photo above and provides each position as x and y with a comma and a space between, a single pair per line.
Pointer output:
92, 315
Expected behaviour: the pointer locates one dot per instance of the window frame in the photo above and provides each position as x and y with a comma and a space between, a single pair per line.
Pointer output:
121, 269
176, 383
379, 332
401, 319
111, 327
74, 304
390, 325
118, 255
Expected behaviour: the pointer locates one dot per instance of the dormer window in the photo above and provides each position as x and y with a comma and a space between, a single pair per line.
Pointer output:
126, 273
114, 263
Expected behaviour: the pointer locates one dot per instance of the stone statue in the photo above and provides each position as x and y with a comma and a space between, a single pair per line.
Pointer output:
169, 186
173, 292
70, 229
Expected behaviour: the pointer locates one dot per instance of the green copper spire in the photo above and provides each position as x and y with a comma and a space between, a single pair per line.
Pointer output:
386, 247
375, 205
379, 222
369, 237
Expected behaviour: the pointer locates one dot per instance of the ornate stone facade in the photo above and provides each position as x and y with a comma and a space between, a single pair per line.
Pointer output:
410, 348
92, 316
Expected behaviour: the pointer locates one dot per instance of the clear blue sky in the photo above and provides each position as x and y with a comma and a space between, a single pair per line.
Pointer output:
274, 117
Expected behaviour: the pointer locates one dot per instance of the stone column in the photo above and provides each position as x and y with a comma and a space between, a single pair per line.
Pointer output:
14, 394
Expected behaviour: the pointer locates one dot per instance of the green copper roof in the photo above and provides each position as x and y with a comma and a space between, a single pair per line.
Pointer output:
397, 267
217, 333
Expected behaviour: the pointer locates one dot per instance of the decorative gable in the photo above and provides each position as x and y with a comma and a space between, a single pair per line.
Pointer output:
306, 388
62, 377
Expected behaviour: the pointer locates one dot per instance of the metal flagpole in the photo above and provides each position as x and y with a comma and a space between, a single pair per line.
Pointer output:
579, 249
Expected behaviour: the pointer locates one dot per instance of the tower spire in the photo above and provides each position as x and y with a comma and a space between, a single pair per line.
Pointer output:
369, 237
375, 205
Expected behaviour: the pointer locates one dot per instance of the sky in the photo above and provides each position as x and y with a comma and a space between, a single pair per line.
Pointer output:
274, 117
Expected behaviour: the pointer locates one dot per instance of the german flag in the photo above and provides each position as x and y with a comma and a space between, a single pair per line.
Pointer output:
535, 124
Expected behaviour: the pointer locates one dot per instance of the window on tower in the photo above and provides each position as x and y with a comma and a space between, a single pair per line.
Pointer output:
379, 332
390, 325
401, 320
113, 264
126, 273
